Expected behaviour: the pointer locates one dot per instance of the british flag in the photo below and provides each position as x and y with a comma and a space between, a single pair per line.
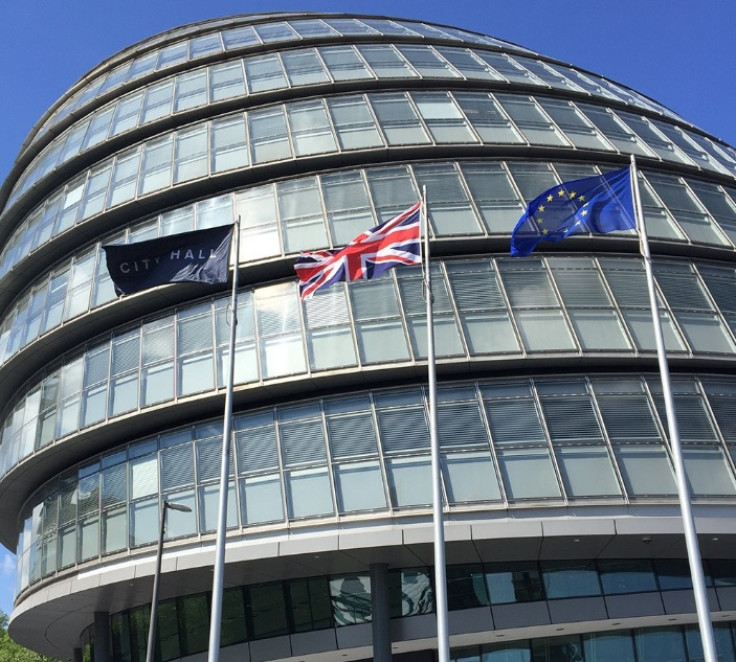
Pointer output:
371, 253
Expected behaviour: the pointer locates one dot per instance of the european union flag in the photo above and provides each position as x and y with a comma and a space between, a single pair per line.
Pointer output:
592, 205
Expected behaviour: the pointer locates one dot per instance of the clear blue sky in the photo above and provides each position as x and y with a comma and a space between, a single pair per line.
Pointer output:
679, 52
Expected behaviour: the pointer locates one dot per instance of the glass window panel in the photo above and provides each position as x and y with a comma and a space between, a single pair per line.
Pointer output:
493, 195
124, 175
488, 119
443, 119
587, 472
398, 120
386, 61
259, 223
470, 477
446, 337
609, 647
344, 63
528, 474
240, 36
427, 62
157, 165
331, 348
229, 149
193, 616
626, 576
467, 64
267, 605
557, 648
410, 593
264, 73
269, 140
126, 114
513, 582
508, 67
303, 67
706, 333
191, 90
359, 487
114, 530
567, 579
448, 204
261, 499
614, 130
144, 522
158, 101
311, 130
191, 154
283, 355
301, 215
646, 470
531, 121
227, 80
89, 543
410, 481
543, 330
143, 476
707, 472
234, 628
354, 123
656, 142
209, 507
641, 328
98, 127
379, 342
723, 640
309, 493
660, 645
599, 330
351, 599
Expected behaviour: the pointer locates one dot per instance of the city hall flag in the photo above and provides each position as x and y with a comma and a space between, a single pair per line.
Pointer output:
593, 205
201, 256
370, 254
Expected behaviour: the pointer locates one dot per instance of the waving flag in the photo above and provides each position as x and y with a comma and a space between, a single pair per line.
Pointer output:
595, 204
200, 256
370, 254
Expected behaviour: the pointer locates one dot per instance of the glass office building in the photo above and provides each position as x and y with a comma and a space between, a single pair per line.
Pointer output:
564, 539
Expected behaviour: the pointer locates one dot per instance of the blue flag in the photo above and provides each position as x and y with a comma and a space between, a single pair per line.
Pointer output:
592, 205
201, 256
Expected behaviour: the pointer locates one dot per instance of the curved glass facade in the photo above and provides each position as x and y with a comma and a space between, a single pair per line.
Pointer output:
293, 607
252, 76
350, 123
552, 425
503, 443
312, 212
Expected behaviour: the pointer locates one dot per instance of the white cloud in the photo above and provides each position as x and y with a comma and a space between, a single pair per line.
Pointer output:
7, 565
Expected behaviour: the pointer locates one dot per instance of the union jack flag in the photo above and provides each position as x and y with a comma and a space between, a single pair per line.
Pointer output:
371, 253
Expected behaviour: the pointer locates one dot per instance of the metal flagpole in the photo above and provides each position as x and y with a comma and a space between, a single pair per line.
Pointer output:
219, 569
691, 537
440, 580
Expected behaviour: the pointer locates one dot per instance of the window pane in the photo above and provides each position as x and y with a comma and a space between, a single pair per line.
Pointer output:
309, 493
359, 487
410, 481
567, 579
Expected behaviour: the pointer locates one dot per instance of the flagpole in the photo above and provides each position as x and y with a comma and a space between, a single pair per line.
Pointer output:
219, 566
691, 538
440, 580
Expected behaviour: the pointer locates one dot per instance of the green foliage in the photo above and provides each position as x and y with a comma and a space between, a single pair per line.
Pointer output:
13, 652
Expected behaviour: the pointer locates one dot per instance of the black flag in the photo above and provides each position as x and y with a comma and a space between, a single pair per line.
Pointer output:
201, 256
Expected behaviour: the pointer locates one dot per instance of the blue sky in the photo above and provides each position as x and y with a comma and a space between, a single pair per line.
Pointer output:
679, 52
